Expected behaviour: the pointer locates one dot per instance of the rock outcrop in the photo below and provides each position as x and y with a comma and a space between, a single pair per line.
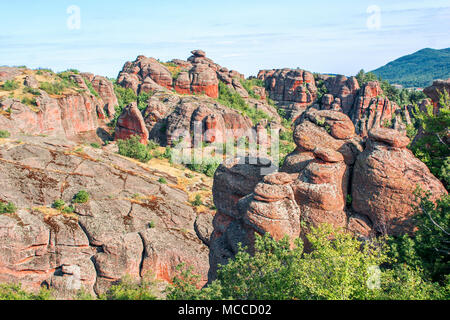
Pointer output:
131, 225
131, 123
198, 75
364, 186
294, 90
385, 177
435, 91
373, 110
75, 111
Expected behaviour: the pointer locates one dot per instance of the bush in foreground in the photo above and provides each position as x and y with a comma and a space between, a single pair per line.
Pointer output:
133, 148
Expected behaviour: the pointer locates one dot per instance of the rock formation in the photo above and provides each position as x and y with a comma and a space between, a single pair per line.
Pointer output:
198, 75
131, 225
439, 87
295, 90
131, 123
75, 111
334, 176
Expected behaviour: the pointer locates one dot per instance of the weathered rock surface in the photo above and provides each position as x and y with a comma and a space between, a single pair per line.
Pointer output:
385, 177
132, 225
334, 176
198, 75
295, 90
169, 117
74, 112
131, 123
372, 109
439, 87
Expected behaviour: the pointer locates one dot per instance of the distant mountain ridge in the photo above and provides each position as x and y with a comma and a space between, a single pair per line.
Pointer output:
418, 69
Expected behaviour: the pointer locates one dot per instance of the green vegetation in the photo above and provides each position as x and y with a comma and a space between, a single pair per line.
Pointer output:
95, 145
130, 289
91, 89
233, 100
429, 249
61, 206
162, 180
81, 197
142, 100
338, 268
133, 148
29, 101
4, 134
249, 85
321, 88
62, 83
15, 292
54, 88
417, 70
7, 207
124, 98
432, 148
197, 201
41, 71
32, 91
10, 85
207, 166
58, 204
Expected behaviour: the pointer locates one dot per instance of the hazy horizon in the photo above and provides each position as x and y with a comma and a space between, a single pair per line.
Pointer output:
327, 37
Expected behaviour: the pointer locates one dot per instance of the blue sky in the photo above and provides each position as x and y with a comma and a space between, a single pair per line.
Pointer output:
246, 35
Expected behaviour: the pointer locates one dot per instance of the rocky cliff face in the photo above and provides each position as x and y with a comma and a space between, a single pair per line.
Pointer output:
363, 186
132, 224
72, 112
295, 90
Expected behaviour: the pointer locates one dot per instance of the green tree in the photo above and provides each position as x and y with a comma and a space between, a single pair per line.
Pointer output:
432, 147
429, 249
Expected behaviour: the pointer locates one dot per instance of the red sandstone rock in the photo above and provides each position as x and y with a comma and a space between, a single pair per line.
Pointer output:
384, 182
131, 123
438, 88
105, 89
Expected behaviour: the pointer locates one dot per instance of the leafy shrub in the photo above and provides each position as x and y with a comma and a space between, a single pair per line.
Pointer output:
4, 134
58, 204
29, 101
32, 91
162, 180
130, 289
429, 249
207, 166
142, 100
81, 197
250, 84
197, 201
91, 89
339, 267
68, 209
53, 88
7, 207
133, 148
10, 85
233, 100
125, 96
15, 292
95, 145
432, 147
